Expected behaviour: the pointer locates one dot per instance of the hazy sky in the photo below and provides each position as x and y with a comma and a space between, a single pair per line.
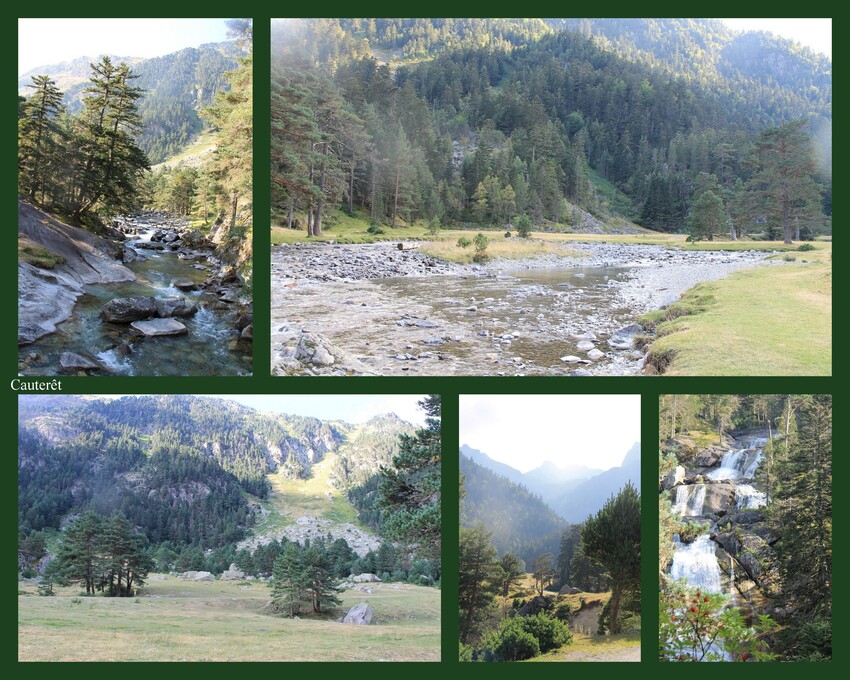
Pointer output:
43, 42
813, 33
352, 408
524, 431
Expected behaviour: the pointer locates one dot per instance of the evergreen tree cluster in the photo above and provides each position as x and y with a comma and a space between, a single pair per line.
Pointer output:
520, 522
104, 554
80, 164
521, 123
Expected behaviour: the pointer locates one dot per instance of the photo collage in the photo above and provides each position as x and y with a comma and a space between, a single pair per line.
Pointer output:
270, 269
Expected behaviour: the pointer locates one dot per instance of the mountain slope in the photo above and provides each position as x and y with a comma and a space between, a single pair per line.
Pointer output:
588, 497
190, 470
176, 87
521, 522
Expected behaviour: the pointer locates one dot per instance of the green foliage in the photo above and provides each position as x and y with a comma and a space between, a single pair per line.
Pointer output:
477, 581
707, 217
523, 226
512, 642
102, 553
463, 242
612, 538
464, 652
806, 247
696, 626
521, 524
550, 633
375, 228
409, 491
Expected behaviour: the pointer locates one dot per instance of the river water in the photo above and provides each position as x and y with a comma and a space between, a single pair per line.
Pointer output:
211, 345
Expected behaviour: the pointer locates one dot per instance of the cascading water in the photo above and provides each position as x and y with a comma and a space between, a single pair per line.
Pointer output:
690, 500
696, 563
211, 345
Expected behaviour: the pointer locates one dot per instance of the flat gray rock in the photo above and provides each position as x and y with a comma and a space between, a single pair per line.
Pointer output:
154, 327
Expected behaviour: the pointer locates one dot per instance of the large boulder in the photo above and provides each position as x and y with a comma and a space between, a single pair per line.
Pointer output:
719, 498
360, 614
45, 298
673, 478
184, 284
234, 573
567, 589
364, 578
203, 576
534, 606
71, 362
174, 306
127, 310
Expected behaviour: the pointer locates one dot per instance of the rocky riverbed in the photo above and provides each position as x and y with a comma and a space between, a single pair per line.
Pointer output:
380, 310
166, 306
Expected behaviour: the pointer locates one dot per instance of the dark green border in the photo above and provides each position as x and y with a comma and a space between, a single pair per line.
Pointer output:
449, 387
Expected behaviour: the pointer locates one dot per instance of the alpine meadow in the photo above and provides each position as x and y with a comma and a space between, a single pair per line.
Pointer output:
207, 529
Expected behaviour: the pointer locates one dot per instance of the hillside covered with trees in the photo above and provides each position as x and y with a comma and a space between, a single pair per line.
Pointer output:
85, 152
184, 481
671, 124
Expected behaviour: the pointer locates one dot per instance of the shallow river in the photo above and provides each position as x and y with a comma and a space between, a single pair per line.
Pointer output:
206, 349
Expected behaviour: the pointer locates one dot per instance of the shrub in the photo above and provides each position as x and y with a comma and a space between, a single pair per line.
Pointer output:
463, 242
481, 242
789, 258
563, 612
523, 226
692, 624
507, 234
29, 572
375, 228
434, 226
805, 247
549, 633
511, 642
464, 652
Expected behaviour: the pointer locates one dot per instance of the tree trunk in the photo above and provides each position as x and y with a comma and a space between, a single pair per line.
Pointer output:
351, 190
290, 215
320, 201
395, 200
616, 593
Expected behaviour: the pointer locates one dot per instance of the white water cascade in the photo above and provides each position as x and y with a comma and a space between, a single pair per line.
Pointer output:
696, 563
690, 499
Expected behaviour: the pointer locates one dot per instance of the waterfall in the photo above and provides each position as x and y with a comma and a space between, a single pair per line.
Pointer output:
747, 497
697, 564
740, 464
690, 499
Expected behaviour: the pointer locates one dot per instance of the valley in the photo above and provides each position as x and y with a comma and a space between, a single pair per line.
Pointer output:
244, 531
549, 564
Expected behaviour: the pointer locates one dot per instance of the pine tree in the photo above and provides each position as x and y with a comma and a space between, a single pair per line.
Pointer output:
612, 538
39, 138
290, 580
409, 492
782, 189
78, 556
477, 586
111, 161
707, 217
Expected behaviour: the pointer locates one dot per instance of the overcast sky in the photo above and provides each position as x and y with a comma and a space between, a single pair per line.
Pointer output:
524, 431
813, 33
44, 42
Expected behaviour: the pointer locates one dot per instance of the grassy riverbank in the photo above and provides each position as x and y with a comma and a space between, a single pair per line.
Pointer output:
772, 320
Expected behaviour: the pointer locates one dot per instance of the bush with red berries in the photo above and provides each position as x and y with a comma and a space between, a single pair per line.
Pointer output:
697, 626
